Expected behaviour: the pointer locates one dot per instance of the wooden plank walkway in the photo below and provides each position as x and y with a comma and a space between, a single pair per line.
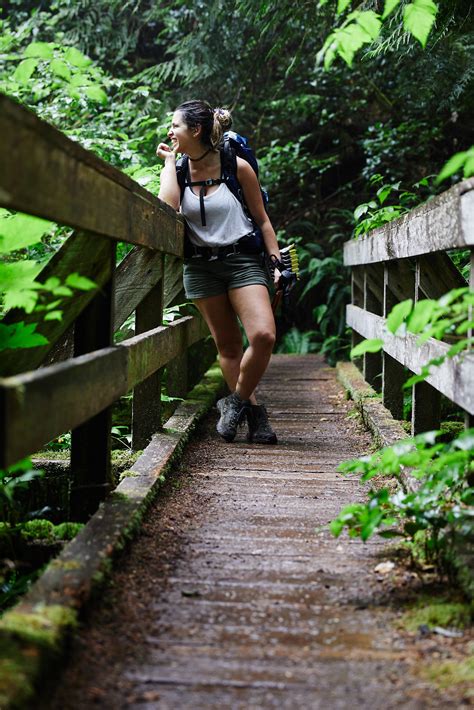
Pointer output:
231, 597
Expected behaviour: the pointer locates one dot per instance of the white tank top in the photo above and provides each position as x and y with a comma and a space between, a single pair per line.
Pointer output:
226, 220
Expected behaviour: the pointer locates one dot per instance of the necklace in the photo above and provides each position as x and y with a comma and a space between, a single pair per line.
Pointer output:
195, 160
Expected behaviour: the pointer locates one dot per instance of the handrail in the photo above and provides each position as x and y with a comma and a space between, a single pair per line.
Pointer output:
444, 222
42, 172
407, 259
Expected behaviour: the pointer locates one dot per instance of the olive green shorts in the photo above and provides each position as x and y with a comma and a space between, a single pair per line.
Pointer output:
203, 278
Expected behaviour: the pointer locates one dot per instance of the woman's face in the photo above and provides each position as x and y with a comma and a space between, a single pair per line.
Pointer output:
179, 133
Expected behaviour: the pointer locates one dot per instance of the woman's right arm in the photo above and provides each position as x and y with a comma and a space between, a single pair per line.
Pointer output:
169, 188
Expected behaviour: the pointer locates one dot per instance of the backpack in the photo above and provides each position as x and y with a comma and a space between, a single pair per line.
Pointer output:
234, 146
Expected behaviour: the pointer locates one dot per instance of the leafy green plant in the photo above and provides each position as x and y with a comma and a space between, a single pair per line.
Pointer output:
296, 342
19, 287
13, 479
441, 506
449, 317
362, 27
376, 213
462, 162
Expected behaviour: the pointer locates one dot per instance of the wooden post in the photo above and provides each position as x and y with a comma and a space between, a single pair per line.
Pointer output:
177, 369
426, 400
393, 373
469, 418
373, 303
146, 409
90, 442
357, 298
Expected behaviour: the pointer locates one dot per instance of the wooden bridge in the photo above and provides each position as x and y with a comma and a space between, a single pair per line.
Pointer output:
239, 599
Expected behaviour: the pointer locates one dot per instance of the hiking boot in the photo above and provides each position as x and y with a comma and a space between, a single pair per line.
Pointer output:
232, 410
260, 430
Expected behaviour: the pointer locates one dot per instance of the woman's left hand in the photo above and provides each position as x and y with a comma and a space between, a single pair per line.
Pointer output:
276, 277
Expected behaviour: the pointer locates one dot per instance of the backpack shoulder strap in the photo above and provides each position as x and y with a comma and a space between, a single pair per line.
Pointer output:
182, 166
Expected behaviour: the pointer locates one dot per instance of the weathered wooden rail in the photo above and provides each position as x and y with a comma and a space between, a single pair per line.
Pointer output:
44, 173
408, 259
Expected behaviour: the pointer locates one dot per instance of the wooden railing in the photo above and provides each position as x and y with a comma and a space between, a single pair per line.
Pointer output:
44, 173
408, 259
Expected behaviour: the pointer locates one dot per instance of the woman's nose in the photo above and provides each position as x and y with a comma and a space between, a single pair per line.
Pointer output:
170, 133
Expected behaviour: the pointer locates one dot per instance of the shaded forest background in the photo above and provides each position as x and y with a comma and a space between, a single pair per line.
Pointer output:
367, 139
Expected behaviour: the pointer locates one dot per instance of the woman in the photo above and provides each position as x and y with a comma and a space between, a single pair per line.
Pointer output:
224, 281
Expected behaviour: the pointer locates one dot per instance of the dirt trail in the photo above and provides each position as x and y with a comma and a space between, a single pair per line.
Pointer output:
231, 597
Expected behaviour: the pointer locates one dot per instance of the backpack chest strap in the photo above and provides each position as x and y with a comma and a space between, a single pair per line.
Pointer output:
204, 184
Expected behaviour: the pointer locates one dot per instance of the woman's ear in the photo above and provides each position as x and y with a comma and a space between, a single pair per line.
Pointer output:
197, 131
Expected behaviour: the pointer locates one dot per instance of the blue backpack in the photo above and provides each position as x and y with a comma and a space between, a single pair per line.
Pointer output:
234, 146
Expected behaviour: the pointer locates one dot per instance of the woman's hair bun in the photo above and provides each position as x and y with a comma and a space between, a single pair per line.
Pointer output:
223, 116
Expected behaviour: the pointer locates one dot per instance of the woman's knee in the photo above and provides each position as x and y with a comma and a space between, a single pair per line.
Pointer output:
263, 338
230, 351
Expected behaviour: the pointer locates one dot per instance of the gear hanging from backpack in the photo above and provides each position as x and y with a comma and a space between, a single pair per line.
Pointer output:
234, 146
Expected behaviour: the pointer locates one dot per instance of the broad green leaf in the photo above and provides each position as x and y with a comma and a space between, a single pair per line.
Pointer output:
453, 165
367, 346
75, 57
96, 93
19, 335
418, 19
54, 315
81, 282
80, 80
62, 291
21, 298
398, 314
42, 50
469, 164
61, 69
24, 70
51, 283
370, 22
342, 5
421, 315
390, 5
383, 192
17, 274
21, 230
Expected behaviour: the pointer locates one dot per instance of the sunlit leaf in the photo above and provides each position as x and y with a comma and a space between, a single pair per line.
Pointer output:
19, 335
81, 282
60, 68
453, 165
17, 274
42, 50
77, 58
96, 93
24, 70
367, 346
21, 298
418, 19
342, 5
21, 230
398, 314
390, 5
54, 315
421, 315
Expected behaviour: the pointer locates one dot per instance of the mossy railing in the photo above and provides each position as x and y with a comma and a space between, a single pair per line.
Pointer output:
71, 383
407, 259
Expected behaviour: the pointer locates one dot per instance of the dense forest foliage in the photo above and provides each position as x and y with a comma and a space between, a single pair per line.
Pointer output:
345, 107
353, 109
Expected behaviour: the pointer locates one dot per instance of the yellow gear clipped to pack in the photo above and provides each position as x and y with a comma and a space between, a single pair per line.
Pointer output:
288, 265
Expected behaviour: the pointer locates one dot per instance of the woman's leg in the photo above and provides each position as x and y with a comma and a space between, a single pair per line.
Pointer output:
219, 315
252, 306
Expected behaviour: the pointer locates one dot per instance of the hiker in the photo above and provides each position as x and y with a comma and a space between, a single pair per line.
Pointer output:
224, 272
